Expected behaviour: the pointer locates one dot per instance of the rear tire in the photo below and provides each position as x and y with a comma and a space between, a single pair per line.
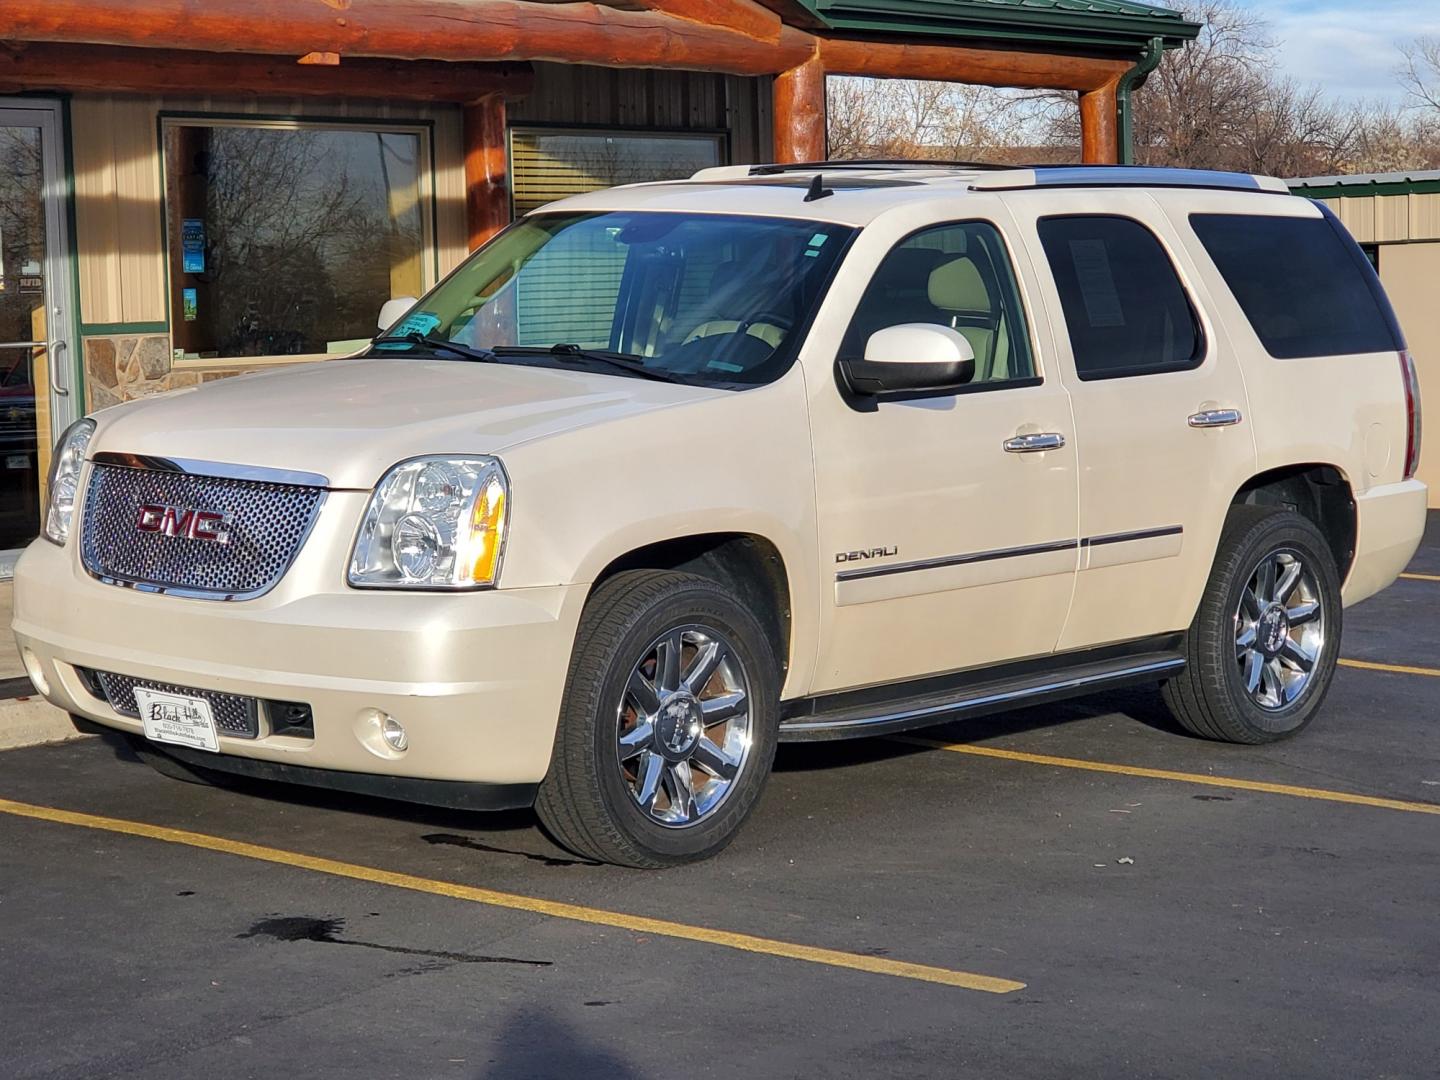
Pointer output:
669, 724
1261, 653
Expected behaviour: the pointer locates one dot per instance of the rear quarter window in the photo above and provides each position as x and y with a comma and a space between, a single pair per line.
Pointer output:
1305, 287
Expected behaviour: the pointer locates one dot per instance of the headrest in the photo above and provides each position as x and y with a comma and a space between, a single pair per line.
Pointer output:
958, 286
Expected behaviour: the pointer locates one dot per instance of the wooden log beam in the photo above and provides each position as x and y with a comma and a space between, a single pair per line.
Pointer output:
743, 16
463, 30
110, 69
1100, 125
487, 187
799, 109
960, 63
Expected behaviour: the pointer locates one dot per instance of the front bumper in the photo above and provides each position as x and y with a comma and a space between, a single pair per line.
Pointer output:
475, 678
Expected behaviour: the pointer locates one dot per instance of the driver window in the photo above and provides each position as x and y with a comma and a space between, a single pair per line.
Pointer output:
957, 276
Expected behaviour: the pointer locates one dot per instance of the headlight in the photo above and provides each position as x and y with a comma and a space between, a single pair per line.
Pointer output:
433, 523
64, 485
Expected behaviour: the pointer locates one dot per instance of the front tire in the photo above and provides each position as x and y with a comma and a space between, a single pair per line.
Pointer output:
669, 725
1261, 653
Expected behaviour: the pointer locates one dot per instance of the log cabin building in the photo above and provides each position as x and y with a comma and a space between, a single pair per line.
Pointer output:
188, 190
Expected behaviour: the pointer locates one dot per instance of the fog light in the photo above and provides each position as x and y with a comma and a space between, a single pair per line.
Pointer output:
393, 732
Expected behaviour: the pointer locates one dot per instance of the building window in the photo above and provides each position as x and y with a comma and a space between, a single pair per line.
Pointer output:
1372, 253
286, 239
550, 165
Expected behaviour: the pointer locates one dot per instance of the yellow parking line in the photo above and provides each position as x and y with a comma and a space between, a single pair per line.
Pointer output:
1396, 669
1421, 577
595, 916
1180, 777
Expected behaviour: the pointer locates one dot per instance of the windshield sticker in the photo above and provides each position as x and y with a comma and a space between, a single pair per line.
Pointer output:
417, 322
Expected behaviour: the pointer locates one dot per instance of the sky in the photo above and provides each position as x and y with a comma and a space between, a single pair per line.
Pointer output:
1348, 46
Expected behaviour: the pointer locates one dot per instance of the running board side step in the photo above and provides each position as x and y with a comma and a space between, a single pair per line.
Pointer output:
981, 698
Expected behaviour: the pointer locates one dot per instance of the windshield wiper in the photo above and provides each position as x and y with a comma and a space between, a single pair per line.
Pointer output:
417, 338
626, 362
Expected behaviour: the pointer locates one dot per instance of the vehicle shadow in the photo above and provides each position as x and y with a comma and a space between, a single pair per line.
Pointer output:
535, 1044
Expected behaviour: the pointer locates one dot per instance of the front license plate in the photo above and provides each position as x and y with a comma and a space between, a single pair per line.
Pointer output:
177, 719
17, 461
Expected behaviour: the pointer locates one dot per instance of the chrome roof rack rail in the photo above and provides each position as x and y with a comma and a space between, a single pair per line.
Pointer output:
1096, 176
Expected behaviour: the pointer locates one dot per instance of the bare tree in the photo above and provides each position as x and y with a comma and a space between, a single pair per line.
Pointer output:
906, 118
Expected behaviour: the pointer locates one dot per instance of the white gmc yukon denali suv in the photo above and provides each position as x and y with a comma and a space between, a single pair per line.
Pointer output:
667, 474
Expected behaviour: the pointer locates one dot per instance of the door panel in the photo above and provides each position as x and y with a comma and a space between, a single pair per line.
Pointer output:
1154, 488
35, 360
940, 549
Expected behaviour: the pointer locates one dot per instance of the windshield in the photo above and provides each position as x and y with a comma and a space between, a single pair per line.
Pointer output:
706, 298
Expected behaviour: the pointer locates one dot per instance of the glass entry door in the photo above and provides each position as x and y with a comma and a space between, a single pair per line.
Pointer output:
36, 358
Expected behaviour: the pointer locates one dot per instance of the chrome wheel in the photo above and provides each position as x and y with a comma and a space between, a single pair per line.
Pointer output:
684, 726
1279, 630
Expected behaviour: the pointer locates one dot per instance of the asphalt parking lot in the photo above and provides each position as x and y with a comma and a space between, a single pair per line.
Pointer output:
1051, 893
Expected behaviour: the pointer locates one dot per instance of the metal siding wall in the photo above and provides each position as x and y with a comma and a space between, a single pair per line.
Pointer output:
1409, 272
568, 94
1390, 219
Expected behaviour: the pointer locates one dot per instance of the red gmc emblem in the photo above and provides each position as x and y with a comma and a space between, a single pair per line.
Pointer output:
185, 522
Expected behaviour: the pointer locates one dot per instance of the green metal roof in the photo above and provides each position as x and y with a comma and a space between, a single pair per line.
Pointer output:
1100, 24
1362, 185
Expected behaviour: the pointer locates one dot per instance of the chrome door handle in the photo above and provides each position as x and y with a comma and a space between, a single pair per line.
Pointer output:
54, 349
1211, 418
1034, 444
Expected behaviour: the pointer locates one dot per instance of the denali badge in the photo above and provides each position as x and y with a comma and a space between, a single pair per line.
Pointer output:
185, 522
872, 553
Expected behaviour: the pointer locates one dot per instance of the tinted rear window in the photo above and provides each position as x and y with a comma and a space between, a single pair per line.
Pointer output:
1304, 287
1125, 308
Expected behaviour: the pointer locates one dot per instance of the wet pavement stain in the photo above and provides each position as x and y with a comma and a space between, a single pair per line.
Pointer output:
326, 931
455, 840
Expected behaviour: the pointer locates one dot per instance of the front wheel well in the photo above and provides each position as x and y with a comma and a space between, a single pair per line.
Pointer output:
749, 565
1320, 493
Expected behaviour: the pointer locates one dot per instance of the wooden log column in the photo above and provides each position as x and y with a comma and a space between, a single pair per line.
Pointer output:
487, 187
800, 113
1100, 125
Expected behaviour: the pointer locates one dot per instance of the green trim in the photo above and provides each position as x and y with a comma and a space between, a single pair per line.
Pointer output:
1095, 23
1365, 190
120, 329
1124, 104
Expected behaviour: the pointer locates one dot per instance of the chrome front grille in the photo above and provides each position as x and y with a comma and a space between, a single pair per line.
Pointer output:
265, 523
234, 715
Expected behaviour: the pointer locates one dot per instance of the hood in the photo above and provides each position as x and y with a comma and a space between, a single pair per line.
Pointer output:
350, 420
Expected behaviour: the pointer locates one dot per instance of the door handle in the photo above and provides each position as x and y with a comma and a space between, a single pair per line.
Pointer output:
54, 349
1213, 418
1035, 443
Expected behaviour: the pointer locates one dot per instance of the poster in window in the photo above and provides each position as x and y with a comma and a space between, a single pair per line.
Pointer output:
190, 304
192, 245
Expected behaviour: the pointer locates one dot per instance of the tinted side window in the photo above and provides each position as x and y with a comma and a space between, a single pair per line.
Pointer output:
1125, 308
952, 275
1300, 283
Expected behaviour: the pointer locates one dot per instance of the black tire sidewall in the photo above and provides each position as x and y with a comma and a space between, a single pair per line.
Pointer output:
1282, 531
691, 602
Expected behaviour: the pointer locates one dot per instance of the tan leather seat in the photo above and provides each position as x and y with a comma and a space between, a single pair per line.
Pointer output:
959, 290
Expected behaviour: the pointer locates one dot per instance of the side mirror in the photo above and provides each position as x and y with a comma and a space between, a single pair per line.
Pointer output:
911, 356
392, 311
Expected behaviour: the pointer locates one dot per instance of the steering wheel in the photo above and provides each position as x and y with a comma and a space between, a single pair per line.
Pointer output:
783, 323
